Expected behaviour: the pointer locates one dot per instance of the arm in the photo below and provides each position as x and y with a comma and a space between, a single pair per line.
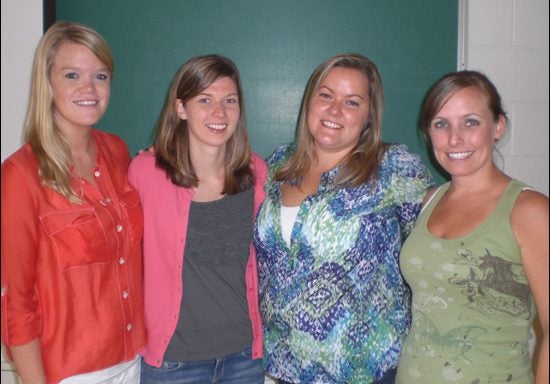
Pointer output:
27, 358
529, 221
21, 323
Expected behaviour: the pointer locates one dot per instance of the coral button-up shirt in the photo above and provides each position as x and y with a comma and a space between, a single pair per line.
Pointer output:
72, 273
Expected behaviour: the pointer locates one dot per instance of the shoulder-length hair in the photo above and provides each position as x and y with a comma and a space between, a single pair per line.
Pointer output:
41, 129
363, 161
171, 141
447, 86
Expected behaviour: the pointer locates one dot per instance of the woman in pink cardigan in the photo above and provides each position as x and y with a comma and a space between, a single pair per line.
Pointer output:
200, 189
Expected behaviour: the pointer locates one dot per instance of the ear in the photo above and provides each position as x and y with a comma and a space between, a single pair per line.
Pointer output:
180, 110
501, 127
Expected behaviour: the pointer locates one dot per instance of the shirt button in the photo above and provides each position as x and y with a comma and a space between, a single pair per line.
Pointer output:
97, 173
129, 327
108, 201
119, 228
124, 294
121, 260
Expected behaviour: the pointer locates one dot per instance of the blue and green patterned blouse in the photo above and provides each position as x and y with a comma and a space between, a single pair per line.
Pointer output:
335, 308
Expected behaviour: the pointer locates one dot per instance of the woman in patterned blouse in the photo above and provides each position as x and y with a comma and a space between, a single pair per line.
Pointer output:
339, 203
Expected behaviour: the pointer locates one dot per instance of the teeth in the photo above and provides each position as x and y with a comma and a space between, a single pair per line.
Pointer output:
217, 126
86, 102
330, 124
460, 155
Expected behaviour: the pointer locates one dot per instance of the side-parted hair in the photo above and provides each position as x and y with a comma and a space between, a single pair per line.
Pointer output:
171, 142
41, 130
362, 163
447, 86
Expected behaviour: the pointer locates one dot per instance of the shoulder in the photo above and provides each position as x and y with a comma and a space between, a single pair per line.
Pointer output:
111, 140
22, 160
530, 209
112, 147
144, 174
280, 154
143, 162
23, 155
399, 160
398, 153
259, 165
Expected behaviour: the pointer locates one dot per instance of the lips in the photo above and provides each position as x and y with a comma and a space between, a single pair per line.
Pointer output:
330, 124
86, 102
460, 155
216, 127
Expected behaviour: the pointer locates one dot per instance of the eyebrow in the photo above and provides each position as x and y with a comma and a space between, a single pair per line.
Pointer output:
211, 95
350, 95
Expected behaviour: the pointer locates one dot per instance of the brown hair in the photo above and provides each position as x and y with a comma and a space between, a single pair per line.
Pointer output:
363, 161
447, 86
172, 136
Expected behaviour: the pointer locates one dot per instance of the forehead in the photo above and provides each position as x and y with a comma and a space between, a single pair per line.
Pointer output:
222, 84
69, 53
466, 98
348, 79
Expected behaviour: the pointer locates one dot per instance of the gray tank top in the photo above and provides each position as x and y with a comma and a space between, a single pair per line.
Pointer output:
214, 319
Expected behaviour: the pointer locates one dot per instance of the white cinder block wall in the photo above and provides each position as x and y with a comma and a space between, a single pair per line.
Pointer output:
506, 39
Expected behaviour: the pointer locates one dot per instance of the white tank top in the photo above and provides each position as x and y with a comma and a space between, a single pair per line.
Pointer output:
288, 217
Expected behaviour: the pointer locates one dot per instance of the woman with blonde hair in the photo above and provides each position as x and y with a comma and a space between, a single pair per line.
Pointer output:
72, 303
339, 203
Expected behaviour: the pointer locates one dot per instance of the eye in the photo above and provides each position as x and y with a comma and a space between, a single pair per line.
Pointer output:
71, 75
471, 123
102, 76
204, 100
439, 124
232, 100
324, 95
353, 103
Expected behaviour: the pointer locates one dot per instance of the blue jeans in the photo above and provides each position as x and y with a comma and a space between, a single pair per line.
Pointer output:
238, 368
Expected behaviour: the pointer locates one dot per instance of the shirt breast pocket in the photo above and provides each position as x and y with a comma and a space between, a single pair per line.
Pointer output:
78, 237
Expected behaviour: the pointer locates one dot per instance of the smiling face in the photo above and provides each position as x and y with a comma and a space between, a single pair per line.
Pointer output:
213, 114
81, 87
463, 133
338, 110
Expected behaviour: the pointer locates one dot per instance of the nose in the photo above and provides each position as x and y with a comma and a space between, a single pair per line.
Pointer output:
456, 136
87, 83
218, 110
334, 108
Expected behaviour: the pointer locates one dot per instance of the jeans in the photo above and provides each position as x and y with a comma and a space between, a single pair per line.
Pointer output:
238, 368
388, 378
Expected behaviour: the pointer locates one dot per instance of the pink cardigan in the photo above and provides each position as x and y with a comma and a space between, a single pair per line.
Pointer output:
166, 213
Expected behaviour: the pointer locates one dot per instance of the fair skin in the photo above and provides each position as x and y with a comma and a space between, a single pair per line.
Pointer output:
212, 118
463, 135
336, 115
80, 86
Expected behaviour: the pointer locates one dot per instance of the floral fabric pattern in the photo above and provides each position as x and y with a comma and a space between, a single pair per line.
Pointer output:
335, 307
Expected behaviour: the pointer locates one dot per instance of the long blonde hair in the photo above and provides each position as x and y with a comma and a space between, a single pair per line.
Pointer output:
362, 163
172, 136
41, 130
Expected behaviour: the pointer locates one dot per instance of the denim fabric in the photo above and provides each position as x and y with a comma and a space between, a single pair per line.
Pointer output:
237, 368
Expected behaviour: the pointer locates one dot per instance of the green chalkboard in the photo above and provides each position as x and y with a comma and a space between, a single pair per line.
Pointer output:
276, 44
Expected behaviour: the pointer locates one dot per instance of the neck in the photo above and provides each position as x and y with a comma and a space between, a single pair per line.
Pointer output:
208, 165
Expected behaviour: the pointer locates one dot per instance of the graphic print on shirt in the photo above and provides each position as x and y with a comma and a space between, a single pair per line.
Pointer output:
455, 342
493, 284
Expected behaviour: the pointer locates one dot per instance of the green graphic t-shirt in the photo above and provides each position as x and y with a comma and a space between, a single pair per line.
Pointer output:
472, 307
